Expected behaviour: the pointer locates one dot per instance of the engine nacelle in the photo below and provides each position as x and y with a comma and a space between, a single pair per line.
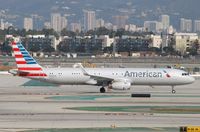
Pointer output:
121, 85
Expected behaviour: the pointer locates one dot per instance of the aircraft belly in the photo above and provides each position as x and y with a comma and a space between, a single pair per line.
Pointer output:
70, 80
154, 81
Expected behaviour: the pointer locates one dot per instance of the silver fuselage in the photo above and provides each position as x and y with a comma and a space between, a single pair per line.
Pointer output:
136, 76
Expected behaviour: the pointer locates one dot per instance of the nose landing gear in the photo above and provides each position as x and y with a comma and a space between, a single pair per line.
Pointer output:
173, 90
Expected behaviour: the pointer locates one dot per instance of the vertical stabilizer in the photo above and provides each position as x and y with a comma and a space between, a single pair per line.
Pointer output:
25, 62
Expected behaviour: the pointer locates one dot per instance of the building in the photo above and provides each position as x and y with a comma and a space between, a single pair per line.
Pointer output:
100, 23
63, 23
28, 23
156, 41
81, 45
130, 44
2, 24
89, 20
197, 26
186, 25
165, 20
107, 41
39, 43
47, 25
153, 26
56, 22
37, 21
120, 21
76, 27
184, 41
131, 28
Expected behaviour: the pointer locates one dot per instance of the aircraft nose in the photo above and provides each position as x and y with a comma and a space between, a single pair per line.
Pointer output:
191, 79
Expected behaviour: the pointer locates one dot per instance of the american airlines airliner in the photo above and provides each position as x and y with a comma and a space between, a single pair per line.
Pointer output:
113, 78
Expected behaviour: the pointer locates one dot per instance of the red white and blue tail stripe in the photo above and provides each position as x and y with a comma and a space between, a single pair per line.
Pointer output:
26, 64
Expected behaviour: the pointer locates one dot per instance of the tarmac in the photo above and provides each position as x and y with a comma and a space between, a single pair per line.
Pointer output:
24, 107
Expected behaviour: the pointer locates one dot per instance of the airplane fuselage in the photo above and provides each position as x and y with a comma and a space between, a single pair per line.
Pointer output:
136, 76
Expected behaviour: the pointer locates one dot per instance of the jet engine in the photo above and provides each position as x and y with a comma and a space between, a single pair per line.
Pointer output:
121, 85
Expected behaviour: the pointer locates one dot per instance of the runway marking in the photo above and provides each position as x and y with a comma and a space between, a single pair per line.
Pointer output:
111, 129
85, 97
144, 109
157, 129
178, 96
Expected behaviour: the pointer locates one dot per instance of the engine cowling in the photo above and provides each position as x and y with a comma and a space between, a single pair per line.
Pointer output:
121, 85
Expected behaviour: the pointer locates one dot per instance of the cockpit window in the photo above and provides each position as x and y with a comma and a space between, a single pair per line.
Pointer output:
185, 74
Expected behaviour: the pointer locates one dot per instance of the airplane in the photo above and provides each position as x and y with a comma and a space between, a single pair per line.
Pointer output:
112, 78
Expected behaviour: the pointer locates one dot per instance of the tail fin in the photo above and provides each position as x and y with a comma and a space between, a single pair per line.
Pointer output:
26, 64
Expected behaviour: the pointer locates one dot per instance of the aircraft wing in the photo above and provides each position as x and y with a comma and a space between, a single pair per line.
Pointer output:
102, 78
95, 77
106, 80
99, 78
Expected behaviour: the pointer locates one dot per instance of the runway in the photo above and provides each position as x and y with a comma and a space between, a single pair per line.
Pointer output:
28, 108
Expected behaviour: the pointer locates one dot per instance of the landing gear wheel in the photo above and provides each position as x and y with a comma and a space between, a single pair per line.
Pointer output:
102, 90
173, 91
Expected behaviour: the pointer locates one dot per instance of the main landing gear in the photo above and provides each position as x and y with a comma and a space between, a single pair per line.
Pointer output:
173, 90
102, 90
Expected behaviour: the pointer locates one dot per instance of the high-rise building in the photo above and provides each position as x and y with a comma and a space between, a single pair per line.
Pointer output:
2, 25
75, 27
37, 21
186, 25
100, 23
120, 21
131, 28
197, 26
153, 26
150, 26
47, 25
89, 20
56, 22
165, 20
28, 23
63, 22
